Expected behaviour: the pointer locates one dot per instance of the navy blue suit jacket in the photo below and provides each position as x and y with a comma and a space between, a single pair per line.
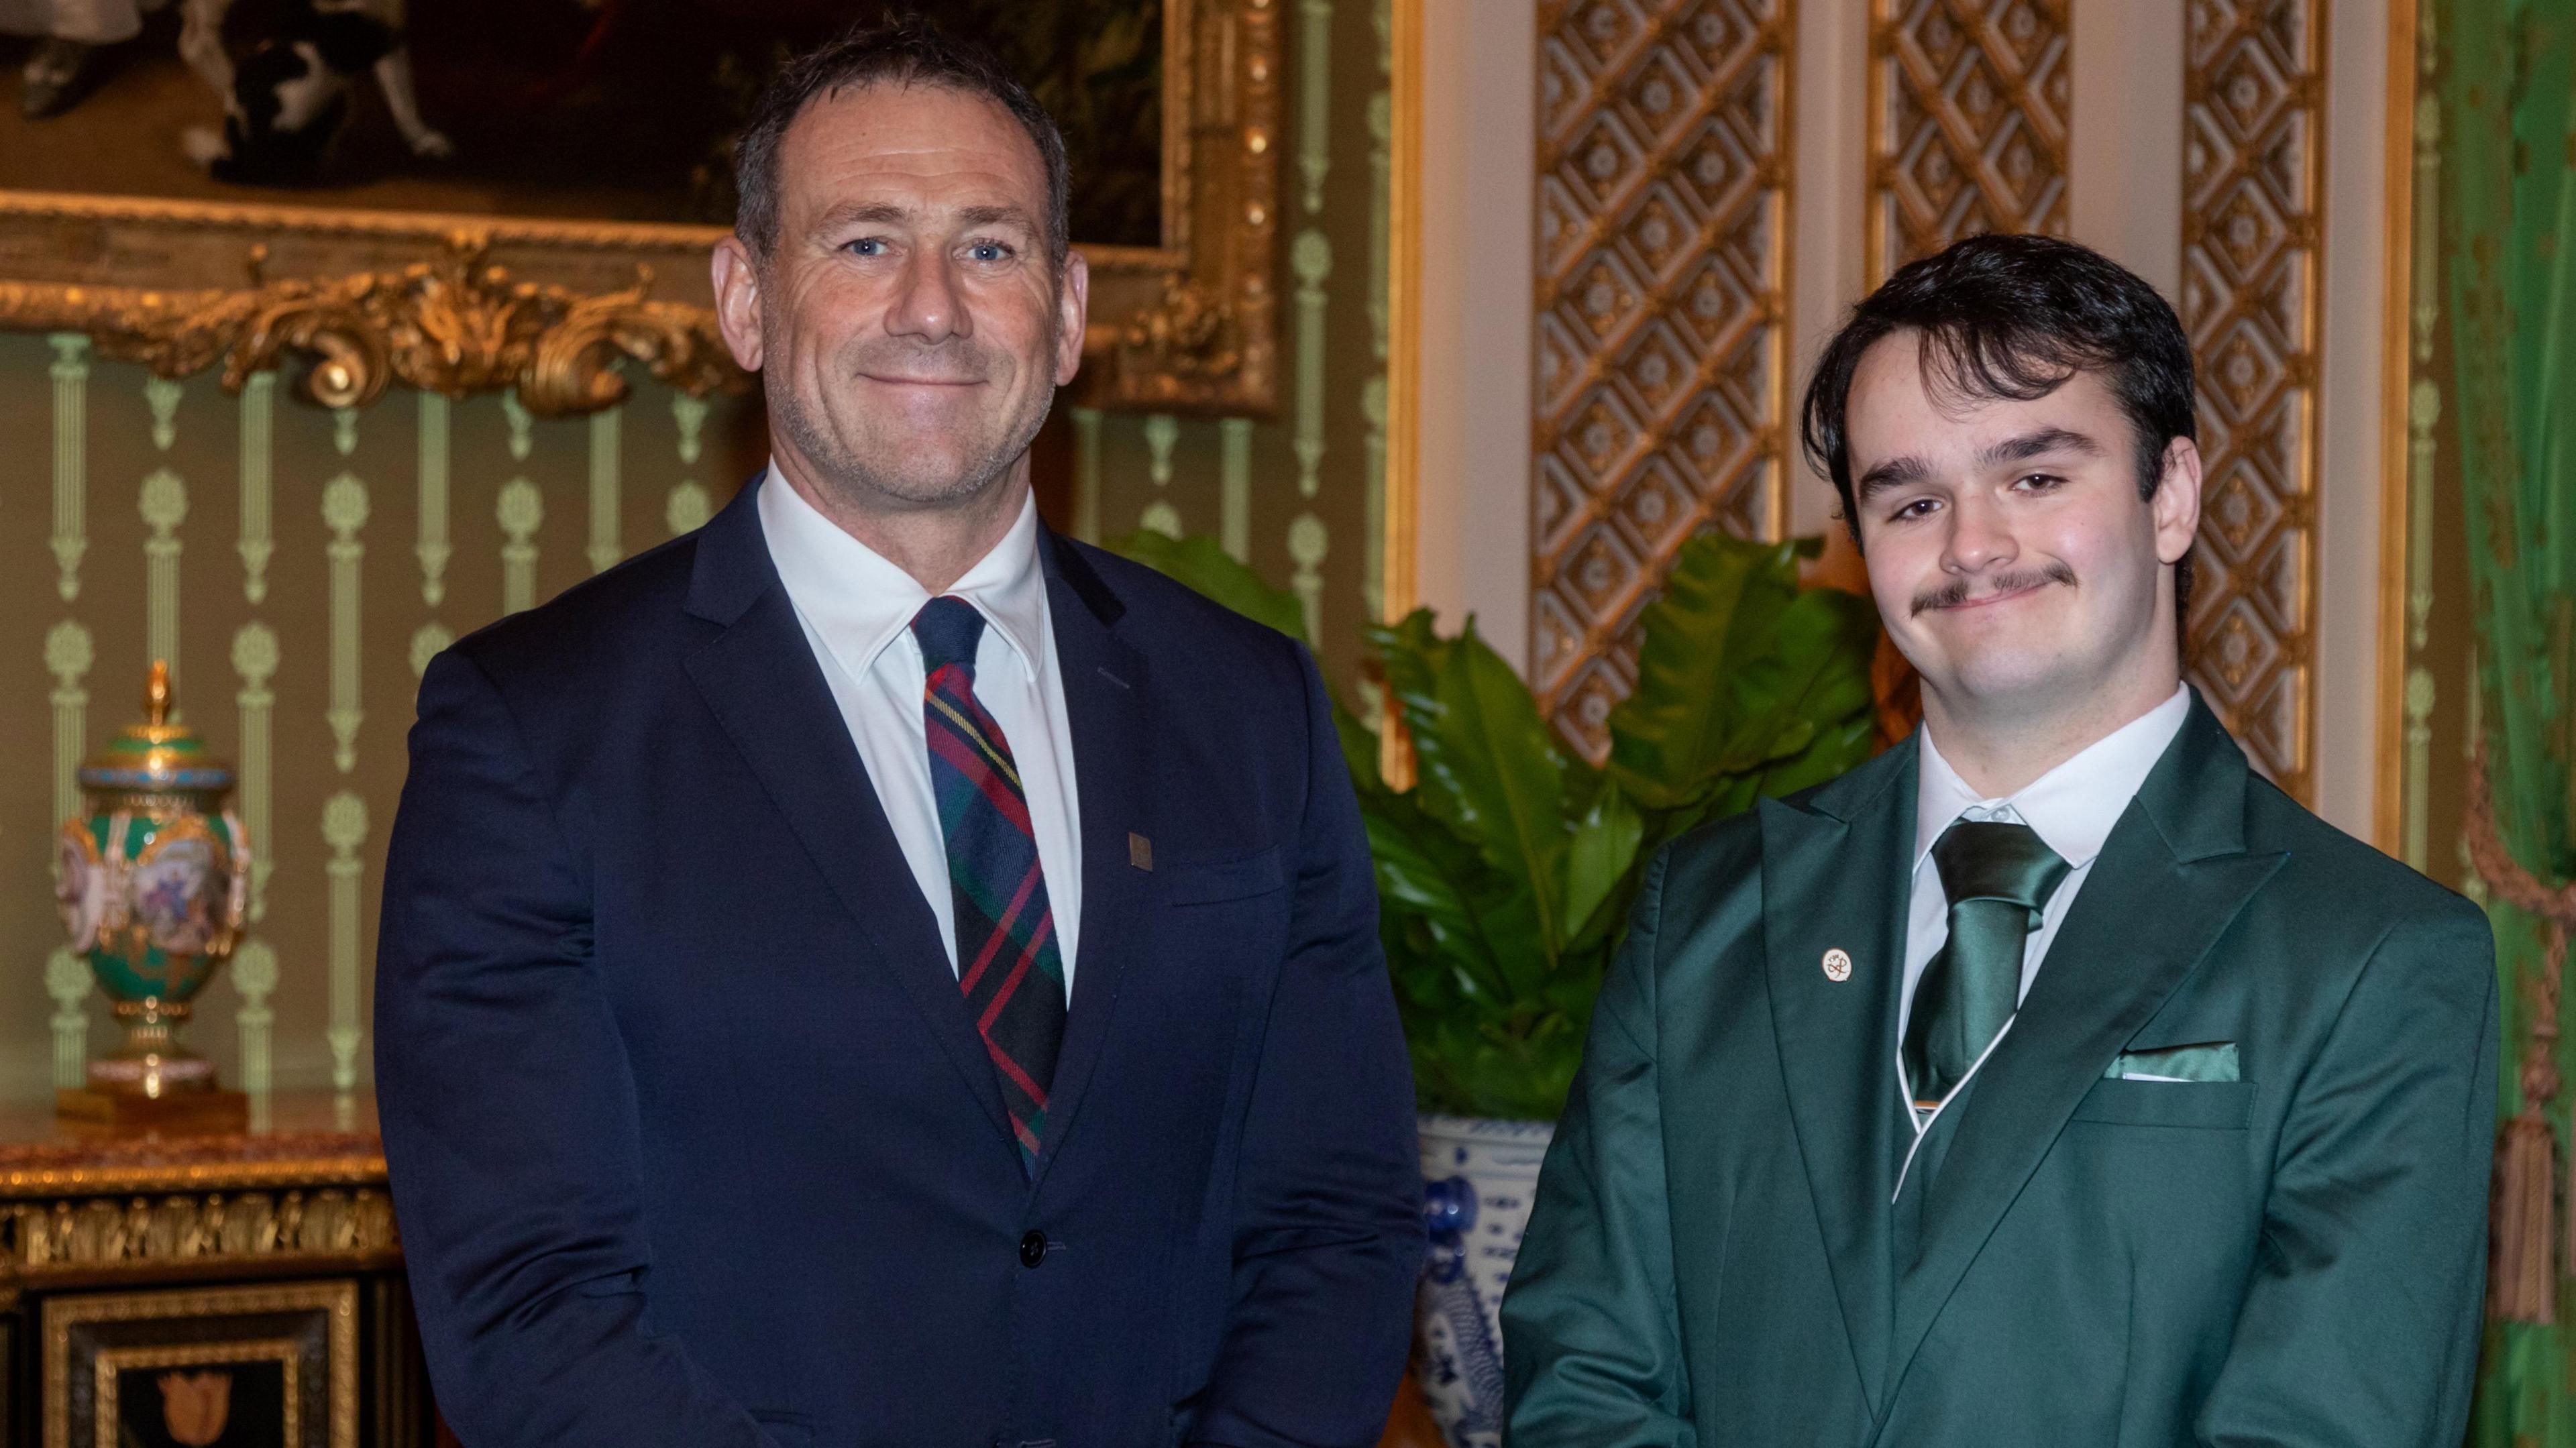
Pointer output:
693, 1141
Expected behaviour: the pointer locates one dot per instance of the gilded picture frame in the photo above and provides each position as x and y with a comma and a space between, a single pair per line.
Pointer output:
135, 1367
353, 301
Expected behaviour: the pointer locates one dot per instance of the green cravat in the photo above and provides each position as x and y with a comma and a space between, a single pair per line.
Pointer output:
1997, 876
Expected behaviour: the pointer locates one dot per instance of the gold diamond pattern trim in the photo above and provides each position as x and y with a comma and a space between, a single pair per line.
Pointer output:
2253, 98
1663, 190
1968, 107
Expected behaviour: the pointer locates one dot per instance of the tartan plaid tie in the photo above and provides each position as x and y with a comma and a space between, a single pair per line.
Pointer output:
1007, 961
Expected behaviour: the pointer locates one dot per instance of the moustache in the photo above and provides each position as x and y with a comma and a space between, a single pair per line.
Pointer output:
1955, 592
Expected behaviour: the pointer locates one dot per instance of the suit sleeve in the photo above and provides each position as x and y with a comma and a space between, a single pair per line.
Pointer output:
1591, 1333
1328, 1235
2361, 1324
509, 1112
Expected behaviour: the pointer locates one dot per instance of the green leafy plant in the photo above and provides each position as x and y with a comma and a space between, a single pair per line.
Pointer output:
1506, 872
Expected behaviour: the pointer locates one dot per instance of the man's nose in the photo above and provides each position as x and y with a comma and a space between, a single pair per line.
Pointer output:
1979, 539
928, 306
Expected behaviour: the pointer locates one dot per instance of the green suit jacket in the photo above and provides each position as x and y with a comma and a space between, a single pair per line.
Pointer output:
2293, 1257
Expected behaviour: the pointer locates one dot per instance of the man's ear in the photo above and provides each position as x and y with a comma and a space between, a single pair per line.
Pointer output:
1073, 313
737, 287
2175, 505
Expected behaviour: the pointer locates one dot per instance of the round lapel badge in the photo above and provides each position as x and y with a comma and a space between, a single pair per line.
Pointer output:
1837, 964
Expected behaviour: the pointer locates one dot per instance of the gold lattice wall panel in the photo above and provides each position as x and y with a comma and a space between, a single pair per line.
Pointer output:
2253, 101
1663, 133
1968, 110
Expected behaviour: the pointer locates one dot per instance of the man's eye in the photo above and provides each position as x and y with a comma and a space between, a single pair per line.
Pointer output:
1918, 508
989, 251
867, 246
2038, 482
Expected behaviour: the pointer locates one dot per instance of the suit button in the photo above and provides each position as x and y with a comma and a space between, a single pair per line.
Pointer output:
1032, 1249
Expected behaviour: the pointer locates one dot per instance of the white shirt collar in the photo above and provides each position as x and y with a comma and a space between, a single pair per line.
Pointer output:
860, 602
2073, 806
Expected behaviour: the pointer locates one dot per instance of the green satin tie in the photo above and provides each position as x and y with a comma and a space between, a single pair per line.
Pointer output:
1997, 876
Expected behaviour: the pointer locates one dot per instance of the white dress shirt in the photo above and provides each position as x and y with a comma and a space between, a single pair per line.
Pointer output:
857, 610
2072, 808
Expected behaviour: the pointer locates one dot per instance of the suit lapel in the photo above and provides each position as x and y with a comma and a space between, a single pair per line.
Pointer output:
760, 679
1833, 876
2170, 879
1104, 701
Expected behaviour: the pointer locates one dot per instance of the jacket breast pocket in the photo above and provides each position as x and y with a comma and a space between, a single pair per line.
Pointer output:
2207, 1105
1213, 882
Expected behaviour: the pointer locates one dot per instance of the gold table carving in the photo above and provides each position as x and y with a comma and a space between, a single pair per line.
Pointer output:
177, 1231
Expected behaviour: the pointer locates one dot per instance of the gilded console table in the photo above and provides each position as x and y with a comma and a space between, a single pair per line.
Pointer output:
164, 1291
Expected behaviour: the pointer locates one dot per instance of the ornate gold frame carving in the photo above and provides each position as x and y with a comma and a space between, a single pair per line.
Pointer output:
462, 304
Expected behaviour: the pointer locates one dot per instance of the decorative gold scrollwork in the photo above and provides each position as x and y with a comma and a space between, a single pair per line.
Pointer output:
1187, 335
456, 324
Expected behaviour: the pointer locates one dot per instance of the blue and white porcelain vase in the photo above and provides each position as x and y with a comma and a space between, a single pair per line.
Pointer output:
1478, 1176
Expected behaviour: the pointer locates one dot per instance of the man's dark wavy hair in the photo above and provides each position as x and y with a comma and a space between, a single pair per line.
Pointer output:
2014, 317
904, 49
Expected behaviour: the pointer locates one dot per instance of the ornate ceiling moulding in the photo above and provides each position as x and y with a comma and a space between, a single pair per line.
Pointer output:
356, 300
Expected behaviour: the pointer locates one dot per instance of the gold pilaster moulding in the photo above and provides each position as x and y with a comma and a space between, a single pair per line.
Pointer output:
1968, 118
1664, 181
352, 301
2252, 301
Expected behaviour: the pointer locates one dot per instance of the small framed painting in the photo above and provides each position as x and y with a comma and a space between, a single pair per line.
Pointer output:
269, 1366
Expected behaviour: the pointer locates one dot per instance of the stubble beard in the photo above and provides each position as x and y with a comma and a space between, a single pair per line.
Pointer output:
873, 483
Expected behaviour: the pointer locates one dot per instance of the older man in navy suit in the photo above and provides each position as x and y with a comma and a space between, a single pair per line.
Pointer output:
875, 971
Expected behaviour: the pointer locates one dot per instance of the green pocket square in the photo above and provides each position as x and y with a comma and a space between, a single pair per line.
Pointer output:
2207, 1061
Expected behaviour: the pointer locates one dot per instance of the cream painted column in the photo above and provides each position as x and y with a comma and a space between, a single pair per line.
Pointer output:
2350, 403
1828, 190
1479, 157
2124, 138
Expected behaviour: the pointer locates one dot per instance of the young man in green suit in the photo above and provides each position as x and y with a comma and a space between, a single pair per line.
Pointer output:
2052, 1079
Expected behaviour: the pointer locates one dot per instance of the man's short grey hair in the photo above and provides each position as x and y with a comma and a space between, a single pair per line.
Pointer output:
903, 50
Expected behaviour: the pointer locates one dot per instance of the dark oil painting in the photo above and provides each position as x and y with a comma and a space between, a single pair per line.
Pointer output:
620, 110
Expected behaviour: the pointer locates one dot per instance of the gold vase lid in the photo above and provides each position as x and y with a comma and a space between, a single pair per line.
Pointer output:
158, 755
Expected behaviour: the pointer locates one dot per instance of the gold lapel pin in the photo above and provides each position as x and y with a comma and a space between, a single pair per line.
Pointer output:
1838, 964
1140, 851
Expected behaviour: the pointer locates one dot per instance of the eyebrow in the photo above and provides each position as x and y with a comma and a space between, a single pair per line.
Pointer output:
973, 216
881, 213
1894, 473
1904, 472
850, 213
2033, 444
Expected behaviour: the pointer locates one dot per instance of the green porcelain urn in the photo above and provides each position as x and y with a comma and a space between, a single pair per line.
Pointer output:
154, 888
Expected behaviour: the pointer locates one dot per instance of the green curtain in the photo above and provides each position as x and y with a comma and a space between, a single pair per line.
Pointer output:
2508, 162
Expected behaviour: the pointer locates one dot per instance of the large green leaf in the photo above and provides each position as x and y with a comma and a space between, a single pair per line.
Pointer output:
1602, 852
1474, 929
1487, 765
1199, 562
1685, 722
